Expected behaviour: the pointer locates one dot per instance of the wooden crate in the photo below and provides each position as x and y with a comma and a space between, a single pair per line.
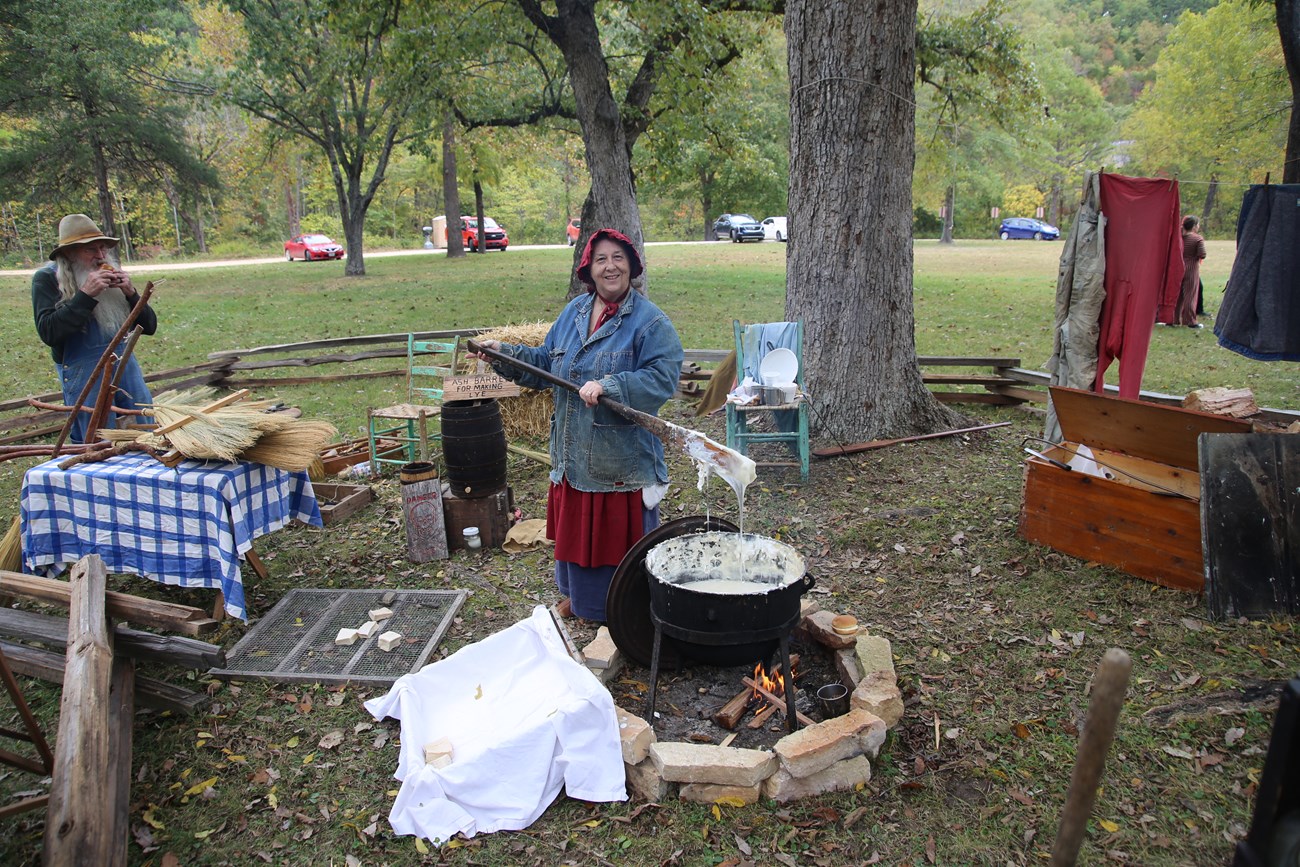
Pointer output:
1144, 516
340, 501
491, 514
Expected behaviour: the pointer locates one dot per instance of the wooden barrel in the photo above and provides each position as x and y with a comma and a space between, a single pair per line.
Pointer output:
474, 446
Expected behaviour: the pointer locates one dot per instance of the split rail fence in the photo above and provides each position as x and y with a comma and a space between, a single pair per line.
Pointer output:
955, 379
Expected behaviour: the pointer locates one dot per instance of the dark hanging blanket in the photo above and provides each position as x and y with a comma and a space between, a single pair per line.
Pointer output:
1260, 314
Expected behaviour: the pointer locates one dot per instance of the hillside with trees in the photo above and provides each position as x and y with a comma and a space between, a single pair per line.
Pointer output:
196, 127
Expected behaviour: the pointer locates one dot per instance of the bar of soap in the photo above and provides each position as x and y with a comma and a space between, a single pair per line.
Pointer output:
346, 637
367, 629
438, 753
380, 614
389, 640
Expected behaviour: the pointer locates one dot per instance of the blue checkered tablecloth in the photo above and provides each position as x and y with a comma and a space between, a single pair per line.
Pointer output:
185, 526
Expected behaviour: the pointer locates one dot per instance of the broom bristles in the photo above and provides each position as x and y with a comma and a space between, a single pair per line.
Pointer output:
11, 548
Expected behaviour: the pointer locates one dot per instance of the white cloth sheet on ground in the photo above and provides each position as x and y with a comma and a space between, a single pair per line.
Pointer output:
524, 720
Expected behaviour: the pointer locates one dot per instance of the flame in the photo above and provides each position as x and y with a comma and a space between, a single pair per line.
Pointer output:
774, 683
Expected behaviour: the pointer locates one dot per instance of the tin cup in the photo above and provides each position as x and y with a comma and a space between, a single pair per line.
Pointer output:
833, 699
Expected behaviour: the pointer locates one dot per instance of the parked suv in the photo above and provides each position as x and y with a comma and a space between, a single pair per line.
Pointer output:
572, 231
494, 234
745, 229
722, 226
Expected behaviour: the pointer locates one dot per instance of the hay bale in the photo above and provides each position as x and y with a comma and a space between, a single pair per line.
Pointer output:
529, 414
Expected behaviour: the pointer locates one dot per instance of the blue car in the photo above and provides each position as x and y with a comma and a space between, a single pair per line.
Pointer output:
1027, 227
746, 229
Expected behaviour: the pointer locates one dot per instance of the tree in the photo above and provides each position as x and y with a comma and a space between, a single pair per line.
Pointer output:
91, 81
345, 77
850, 259
1287, 14
1233, 130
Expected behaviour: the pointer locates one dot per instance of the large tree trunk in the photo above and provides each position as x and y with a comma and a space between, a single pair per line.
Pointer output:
1288, 27
451, 192
949, 202
849, 273
611, 202
480, 237
1211, 198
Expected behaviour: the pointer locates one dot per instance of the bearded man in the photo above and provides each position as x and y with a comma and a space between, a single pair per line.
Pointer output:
80, 300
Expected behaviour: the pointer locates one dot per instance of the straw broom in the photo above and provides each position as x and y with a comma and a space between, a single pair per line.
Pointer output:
11, 549
241, 431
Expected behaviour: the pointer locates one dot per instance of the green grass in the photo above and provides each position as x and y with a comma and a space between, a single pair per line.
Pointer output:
918, 541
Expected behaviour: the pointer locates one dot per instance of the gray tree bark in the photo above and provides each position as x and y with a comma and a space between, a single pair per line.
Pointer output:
450, 191
611, 202
1288, 27
849, 271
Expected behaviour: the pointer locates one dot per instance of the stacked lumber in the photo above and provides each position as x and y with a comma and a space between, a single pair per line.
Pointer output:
1235, 402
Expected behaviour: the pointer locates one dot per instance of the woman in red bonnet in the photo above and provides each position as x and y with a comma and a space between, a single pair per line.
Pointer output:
607, 474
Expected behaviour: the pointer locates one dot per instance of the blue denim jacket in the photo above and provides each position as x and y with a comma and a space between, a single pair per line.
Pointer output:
637, 359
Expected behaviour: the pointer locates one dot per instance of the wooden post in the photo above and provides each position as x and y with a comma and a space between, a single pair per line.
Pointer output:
80, 823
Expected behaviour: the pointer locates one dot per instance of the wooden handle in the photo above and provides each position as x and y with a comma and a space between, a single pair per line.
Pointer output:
217, 404
1108, 688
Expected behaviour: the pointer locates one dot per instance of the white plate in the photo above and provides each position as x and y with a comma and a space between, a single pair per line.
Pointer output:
780, 365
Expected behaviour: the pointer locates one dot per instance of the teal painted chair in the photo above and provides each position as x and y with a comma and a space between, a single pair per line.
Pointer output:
790, 419
400, 432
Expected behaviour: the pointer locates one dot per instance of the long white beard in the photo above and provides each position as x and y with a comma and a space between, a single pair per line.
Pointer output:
112, 309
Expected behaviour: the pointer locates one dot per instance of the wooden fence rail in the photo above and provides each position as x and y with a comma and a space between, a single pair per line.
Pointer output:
1002, 381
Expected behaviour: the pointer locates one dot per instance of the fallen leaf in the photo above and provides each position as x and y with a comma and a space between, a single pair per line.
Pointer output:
1230, 737
199, 787
742, 845
203, 835
1176, 752
930, 850
731, 800
1019, 729
1190, 624
151, 818
331, 740
1108, 825
421, 847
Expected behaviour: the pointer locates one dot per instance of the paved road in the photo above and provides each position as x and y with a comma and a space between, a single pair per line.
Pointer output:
142, 267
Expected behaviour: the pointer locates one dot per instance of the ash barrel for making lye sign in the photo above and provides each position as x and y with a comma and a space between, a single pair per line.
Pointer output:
474, 447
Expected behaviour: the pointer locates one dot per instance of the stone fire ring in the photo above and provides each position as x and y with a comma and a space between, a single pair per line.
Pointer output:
830, 756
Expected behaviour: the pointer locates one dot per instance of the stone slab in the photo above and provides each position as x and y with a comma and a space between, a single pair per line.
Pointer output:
846, 663
879, 694
601, 652
874, 654
813, 749
818, 626
644, 782
839, 777
635, 736
707, 763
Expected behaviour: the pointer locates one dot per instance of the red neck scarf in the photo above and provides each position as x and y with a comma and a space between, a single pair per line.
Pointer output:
606, 314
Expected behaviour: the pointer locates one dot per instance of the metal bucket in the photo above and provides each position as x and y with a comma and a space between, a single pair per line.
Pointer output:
474, 447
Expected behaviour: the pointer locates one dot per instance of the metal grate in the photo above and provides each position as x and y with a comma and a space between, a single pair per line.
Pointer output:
295, 640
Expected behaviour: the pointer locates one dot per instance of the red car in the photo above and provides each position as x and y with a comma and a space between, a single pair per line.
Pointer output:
308, 247
572, 231
495, 234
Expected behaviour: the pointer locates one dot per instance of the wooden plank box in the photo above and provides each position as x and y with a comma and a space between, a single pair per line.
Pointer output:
1142, 516
340, 501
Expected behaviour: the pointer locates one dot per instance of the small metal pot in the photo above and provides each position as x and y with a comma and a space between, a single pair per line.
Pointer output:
726, 628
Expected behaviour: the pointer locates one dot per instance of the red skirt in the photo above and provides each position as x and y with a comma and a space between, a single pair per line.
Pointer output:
593, 529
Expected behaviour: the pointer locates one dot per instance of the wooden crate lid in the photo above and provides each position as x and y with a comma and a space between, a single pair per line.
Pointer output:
1164, 434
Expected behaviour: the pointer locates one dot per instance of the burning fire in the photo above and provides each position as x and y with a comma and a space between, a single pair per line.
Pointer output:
773, 683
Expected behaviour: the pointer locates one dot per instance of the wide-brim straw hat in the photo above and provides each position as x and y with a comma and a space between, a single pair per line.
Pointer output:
75, 229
